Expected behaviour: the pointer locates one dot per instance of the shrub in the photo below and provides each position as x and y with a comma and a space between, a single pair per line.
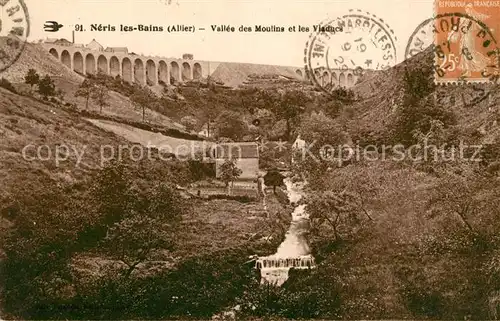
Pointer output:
46, 87
32, 78
4, 83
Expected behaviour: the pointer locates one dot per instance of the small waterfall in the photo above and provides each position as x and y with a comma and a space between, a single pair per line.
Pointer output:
293, 252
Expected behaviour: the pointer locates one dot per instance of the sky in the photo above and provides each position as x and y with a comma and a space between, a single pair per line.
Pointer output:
264, 48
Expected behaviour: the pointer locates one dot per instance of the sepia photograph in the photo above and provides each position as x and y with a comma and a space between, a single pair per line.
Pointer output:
249, 160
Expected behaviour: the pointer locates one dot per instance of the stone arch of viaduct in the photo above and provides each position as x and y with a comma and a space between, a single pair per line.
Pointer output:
144, 70
335, 77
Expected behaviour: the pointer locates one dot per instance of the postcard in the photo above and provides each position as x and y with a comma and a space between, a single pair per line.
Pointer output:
248, 160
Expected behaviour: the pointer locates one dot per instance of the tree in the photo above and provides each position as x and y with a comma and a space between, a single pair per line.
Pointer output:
142, 98
85, 90
338, 209
230, 124
100, 94
147, 225
46, 87
32, 78
456, 195
419, 109
289, 106
133, 239
273, 178
136, 220
189, 122
327, 146
229, 171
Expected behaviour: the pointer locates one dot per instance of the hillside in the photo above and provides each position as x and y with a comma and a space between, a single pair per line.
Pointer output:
381, 95
25, 121
36, 57
411, 237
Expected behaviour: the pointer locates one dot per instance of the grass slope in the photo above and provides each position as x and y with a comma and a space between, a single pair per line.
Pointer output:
25, 121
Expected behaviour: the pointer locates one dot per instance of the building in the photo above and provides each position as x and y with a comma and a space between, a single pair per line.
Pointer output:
207, 132
122, 50
298, 147
94, 45
299, 143
246, 155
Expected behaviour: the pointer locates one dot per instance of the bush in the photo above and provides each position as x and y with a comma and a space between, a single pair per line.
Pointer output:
46, 87
4, 83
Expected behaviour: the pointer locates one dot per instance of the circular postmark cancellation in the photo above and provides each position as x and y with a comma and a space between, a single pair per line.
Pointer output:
466, 54
14, 31
340, 50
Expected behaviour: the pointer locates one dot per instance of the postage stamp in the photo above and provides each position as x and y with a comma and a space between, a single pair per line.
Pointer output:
14, 31
463, 35
340, 49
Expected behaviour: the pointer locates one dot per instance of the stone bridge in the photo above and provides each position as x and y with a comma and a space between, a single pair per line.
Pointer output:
145, 70
336, 77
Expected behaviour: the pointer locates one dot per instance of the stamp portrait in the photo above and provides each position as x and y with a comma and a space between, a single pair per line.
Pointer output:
474, 43
464, 36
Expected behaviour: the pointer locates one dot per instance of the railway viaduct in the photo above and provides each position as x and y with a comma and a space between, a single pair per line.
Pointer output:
152, 71
336, 77
145, 70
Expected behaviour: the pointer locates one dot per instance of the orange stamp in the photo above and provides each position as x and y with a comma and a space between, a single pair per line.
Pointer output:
464, 36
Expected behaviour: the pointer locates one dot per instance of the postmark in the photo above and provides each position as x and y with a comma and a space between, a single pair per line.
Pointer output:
339, 50
464, 47
14, 31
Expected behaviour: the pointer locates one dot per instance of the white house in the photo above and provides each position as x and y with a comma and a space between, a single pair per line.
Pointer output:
299, 143
205, 132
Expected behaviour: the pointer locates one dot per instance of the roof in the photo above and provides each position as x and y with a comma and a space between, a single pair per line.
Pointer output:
50, 40
117, 48
237, 150
94, 41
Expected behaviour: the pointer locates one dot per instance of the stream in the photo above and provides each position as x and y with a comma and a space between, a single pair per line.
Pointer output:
294, 251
